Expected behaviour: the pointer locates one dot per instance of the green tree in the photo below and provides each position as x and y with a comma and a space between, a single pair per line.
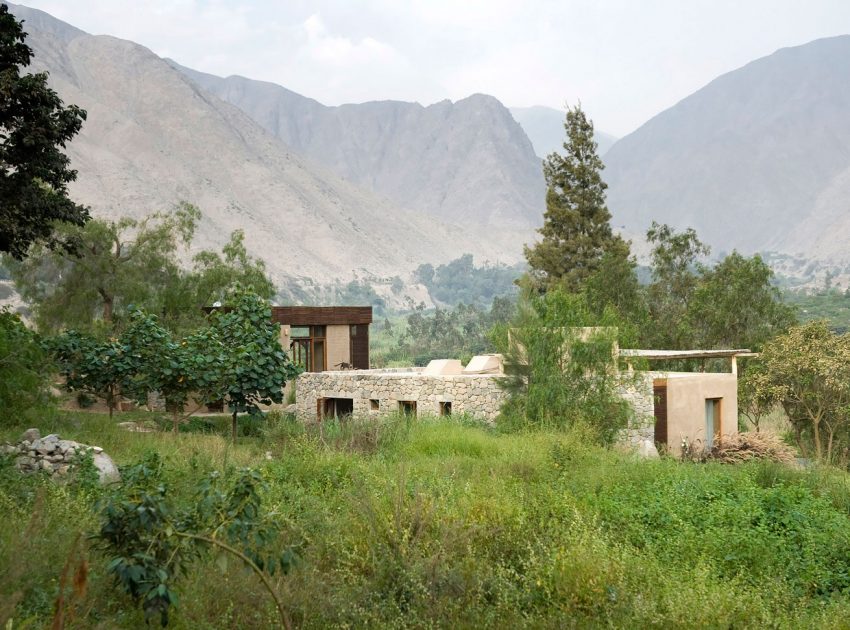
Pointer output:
735, 304
102, 369
116, 266
808, 370
614, 285
112, 266
576, 230
254, 366
560, 363
675, 276
24, 369
34, 128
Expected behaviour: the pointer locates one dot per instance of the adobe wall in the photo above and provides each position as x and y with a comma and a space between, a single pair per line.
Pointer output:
686, 396
338, 339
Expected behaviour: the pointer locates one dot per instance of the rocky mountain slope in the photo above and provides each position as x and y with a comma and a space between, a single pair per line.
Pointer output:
153, 138
758, 159
544, 126
467, 162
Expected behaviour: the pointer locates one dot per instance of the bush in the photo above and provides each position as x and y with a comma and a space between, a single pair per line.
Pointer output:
24, 370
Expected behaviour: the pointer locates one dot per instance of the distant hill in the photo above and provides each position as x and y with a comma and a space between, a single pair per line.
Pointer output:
544, 126
467, 162
153, 138
758, 159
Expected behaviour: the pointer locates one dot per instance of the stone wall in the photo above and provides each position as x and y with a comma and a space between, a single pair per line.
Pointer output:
378, 392
636, 389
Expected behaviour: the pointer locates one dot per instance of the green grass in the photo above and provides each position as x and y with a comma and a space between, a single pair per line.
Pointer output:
430, 523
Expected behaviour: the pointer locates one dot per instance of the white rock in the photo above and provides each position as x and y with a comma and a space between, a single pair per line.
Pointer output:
30, 435
106, 468
646, 449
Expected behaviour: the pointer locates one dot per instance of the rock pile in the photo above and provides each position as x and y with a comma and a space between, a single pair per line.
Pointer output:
57, 457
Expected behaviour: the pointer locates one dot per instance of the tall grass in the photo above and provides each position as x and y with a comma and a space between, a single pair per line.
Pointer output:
433, 523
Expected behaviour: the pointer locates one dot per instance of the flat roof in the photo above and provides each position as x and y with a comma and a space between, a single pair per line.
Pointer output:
321, 315
686, 354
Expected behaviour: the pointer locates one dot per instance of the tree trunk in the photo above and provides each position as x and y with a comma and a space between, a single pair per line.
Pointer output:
175, 418
233, 427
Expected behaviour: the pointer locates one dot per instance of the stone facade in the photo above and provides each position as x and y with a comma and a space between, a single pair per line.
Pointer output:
636, 389
383, 392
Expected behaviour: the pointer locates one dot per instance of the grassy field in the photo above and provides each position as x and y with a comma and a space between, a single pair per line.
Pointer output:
428, 523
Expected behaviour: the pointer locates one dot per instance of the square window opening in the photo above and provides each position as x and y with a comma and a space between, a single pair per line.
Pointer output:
374, 404
407, 407
445, 408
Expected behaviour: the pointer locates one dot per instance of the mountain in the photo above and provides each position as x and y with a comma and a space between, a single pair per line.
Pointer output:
544, 126
467, 162
153, 138
758, 159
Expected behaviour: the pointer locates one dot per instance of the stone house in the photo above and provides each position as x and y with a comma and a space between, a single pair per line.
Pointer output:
669, 408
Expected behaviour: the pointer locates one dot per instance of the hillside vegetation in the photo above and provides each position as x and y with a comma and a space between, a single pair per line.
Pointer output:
429, 523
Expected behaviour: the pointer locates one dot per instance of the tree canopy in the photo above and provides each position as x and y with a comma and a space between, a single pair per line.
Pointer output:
576, 232
34, 128
125, 264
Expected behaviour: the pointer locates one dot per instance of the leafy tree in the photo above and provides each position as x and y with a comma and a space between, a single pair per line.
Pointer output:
808, 370
254, 366
34, 128
24, 369
559, 358
117, 266
153, 540
757, 395
576, 225
675, 276
98, 368
112, 266
614, 285
735, 305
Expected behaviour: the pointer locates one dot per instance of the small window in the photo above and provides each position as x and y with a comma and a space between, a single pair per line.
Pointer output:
445, 408
374, 405
407, 407
299, 332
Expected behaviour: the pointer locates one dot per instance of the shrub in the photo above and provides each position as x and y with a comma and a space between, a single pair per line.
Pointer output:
24, 370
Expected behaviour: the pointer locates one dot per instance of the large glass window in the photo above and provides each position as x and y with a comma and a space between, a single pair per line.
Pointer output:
308, 347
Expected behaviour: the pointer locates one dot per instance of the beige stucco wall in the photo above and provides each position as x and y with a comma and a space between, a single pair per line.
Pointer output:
339, 346
284, 336
686, 396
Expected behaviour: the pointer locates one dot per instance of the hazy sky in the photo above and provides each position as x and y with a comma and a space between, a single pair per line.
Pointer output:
625, 60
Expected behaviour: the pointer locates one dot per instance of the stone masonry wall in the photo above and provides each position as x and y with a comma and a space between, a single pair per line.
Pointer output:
636, 389
476, 395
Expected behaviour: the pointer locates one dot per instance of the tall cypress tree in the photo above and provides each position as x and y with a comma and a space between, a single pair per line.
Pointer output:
576, 226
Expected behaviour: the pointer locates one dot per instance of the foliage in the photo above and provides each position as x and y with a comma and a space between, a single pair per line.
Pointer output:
437, 524
458, 333
829, 304
735, 304
112, 266
461, 282
808, 370
758, 396
152, 542
561, 364
675, 277
36, 126
97, 368
689, 304
24, 369
576, 232
118, 266
254, 366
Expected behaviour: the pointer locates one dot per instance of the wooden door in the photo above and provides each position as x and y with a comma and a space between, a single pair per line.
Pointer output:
659, 392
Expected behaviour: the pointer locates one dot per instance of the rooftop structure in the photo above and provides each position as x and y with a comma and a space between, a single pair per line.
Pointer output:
321, 338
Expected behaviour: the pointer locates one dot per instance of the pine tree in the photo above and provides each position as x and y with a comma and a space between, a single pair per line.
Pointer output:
576, 229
